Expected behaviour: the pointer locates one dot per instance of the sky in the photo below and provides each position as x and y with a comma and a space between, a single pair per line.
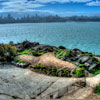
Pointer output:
59, 7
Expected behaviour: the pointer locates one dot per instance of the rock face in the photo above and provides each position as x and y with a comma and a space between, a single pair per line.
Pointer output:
43, 48
32, 45
24, 45
17, 83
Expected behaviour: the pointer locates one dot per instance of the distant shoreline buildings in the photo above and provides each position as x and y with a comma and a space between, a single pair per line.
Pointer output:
45, 19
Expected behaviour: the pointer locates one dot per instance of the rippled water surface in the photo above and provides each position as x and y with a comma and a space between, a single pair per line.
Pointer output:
82, 35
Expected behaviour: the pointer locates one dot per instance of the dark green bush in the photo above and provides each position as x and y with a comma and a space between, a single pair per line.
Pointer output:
94, 59
61, 47
7, 52
61, 53
79, 72
97, 89
64, 72
87, 54
98, 62
39, 66
95, 71
34, 53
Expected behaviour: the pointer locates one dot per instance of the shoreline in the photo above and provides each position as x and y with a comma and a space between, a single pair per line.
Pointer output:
58, 57
64, 68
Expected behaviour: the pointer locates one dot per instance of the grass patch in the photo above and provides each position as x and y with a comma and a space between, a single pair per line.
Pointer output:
26, 52
31, 52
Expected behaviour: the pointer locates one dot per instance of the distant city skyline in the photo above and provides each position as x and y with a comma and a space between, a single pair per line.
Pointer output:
59, 7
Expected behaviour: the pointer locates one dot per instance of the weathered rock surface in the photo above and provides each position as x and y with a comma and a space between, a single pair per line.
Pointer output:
82, 93
17, 83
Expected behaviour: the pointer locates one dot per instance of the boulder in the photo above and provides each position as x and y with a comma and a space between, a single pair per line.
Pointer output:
26, 45
43, 48
92, 67
87, 64
93, 81
84, 59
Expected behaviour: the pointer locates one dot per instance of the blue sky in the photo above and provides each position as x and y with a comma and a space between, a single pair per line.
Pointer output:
60, 7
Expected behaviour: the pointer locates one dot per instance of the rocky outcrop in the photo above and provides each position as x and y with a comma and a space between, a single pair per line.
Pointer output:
82, 59
24, 45
32, 45
17, 83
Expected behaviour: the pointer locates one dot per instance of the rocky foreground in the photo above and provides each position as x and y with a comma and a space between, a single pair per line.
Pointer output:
18, 83
38, 71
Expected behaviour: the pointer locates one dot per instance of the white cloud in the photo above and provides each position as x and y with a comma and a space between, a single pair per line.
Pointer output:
61, 1
19, 6
96, 3
31, 5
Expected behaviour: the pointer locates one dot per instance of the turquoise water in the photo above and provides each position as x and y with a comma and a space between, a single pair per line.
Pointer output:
82, 35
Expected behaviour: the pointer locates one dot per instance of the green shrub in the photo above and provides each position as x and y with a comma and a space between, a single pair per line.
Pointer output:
22, 62
62, 53
61, 47
87, 54
39, 66
80, 72
94, 59
34, 53
98, 62
97, 89
64, 72
30, 52
53, 69
7, 52
83, 66
95, 72
26, 52
59, 72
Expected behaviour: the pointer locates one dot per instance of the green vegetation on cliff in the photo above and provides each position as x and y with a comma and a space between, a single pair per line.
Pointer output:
7, 52
97, 89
